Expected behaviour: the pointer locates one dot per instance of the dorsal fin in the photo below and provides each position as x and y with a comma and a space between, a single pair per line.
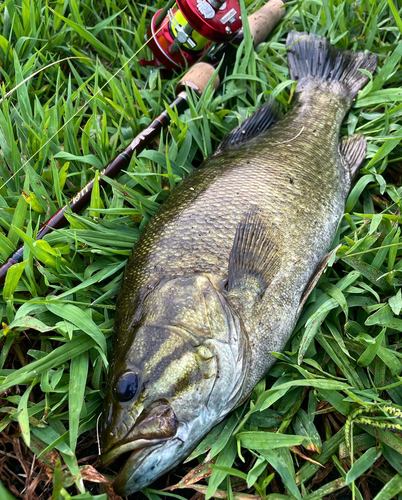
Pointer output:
255, 253
352, 150
259, 122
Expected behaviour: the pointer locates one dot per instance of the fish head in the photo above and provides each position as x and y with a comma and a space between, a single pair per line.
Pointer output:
181, 373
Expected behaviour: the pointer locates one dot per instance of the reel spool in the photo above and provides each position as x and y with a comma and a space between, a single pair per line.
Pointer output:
179, 35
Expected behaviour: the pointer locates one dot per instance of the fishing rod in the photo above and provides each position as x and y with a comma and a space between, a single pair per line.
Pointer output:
174, 48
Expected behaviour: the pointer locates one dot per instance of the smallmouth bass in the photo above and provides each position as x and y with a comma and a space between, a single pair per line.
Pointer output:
219, 275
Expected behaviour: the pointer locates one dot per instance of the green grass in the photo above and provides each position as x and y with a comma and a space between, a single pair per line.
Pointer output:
80, 96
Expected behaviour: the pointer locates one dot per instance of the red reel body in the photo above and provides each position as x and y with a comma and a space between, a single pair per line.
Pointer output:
183, 34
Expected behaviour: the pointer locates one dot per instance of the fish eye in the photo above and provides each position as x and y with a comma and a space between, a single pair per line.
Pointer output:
126, 386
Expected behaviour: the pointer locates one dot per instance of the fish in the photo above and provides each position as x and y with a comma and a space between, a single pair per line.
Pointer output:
216, 281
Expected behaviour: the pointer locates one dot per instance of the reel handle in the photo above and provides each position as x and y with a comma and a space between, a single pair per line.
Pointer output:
261, 24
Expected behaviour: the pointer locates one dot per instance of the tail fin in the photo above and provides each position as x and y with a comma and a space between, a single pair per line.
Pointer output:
313, 62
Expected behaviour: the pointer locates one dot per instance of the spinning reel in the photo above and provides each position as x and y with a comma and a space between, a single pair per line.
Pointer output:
181, 31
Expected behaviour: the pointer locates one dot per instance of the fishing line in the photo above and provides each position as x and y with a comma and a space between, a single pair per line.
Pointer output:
97, 434
370, 250
84, 105
10, 92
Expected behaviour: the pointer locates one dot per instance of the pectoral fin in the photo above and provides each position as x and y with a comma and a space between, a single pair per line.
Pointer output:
315, 277
255, 257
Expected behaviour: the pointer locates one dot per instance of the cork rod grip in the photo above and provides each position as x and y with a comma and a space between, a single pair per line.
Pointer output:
264, 20
197, 78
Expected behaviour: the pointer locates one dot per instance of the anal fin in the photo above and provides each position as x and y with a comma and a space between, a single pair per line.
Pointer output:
353, 152
255, 257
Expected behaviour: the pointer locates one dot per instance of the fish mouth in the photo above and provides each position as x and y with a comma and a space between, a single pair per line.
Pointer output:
142, 462
135, 447
155, 425
134, 454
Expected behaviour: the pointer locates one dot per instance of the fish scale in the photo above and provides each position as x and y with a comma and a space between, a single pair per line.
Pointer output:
217, 279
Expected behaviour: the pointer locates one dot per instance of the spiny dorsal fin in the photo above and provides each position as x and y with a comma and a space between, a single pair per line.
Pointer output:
353, 152
259, 122
255, 252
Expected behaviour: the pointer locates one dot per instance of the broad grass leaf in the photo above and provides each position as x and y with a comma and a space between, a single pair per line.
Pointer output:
316, 383
272, 398
77, 384
209, 440
386, 148
229, 471
18, 218
201, 471
380, 97
56, 358
77, 317
303, 425
89, 159
375, 222
395, 302
5, 494
225, 459
13, 277
313, 324
385, 437
226, 433
368, 271
6, 247
96, 200
381, 317
362, 464
23, 418
40, 249
334, 350
391, 63
327, 490
6, 47
330, 447
86, 35
390, 360
51, 437
96, 278
372, 350
256, 471
361, 442
32, 200
357, 191
162, 160
393, 457
257, 440
29, 322
335, 292
278, 463
336, 400
391, 489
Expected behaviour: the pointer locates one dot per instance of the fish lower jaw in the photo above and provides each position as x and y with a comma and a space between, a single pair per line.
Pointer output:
134, 446
130, 479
